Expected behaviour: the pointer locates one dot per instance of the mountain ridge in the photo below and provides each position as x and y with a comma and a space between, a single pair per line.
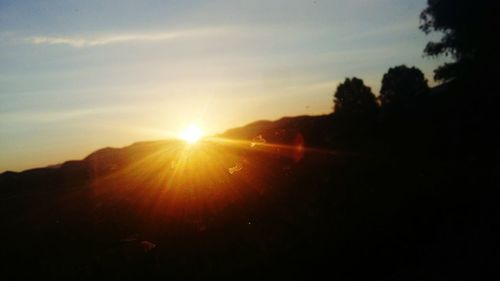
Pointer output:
251, 130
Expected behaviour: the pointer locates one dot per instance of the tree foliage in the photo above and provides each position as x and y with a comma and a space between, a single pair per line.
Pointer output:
353, 98
403, 88
467, 28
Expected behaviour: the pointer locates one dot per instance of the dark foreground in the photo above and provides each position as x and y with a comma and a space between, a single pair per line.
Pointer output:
245, 210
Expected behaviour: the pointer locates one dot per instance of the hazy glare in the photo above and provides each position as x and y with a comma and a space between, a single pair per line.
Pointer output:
81, 75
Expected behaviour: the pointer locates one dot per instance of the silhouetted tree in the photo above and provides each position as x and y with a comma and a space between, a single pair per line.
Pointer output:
468, 36
352, 98
403, 89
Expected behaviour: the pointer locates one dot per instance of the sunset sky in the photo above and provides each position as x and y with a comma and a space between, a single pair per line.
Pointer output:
76, 76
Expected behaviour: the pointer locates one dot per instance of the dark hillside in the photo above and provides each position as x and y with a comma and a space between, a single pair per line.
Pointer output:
240, 208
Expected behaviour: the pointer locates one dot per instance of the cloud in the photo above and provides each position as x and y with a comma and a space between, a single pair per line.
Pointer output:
83, 42
38, 117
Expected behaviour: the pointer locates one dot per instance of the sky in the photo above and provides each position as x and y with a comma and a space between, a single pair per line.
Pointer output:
76, 76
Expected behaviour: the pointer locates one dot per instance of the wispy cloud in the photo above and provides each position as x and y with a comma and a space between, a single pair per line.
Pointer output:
94, 41
37, 117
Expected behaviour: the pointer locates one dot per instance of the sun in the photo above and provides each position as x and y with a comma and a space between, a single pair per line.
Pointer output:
191, 134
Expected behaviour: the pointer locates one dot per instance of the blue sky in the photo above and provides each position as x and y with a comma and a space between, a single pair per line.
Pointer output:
76, 76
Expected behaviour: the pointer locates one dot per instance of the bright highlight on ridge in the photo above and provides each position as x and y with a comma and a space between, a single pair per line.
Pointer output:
191, 134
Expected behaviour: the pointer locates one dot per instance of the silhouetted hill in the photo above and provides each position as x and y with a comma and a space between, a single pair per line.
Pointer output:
286, 198
317, 128
107, 160
99, 163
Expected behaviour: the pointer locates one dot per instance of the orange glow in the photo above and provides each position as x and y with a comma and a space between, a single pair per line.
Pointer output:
169, 180
191, 134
